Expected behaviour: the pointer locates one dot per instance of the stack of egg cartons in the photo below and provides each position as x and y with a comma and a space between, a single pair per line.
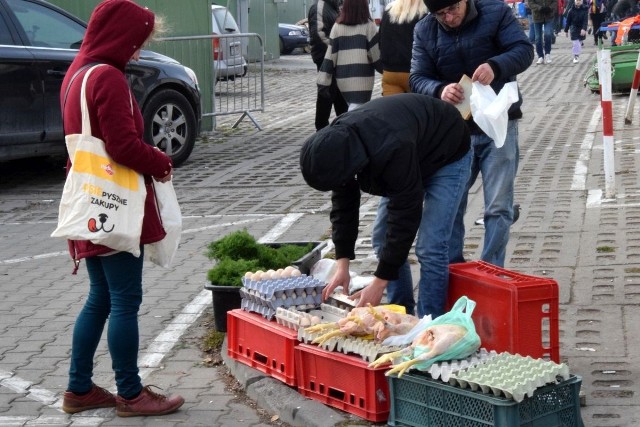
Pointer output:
265, 296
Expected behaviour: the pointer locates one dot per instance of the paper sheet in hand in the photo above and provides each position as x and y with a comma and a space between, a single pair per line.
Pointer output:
465, 107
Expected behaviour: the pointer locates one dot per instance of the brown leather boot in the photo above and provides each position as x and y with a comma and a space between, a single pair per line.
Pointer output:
96, 398
148, 403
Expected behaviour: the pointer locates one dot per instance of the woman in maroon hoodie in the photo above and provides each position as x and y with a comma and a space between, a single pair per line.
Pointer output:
115, 34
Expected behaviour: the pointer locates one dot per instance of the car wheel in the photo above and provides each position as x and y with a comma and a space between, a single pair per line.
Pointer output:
170, 125
284, 51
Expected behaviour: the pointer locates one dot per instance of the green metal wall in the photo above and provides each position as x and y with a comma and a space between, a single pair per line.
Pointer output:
292, 11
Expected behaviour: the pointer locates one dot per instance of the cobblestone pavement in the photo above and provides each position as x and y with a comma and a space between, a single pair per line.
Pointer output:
245, 178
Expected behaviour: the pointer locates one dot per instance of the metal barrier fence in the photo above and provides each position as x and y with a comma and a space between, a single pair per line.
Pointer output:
233, 84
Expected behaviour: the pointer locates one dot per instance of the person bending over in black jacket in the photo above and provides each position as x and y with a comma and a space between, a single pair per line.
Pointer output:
413, 150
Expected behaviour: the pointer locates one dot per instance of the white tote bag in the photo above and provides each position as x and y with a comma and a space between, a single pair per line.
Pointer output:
163, 252
102, 201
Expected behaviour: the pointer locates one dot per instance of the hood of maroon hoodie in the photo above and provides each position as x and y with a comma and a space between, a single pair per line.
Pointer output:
116, 29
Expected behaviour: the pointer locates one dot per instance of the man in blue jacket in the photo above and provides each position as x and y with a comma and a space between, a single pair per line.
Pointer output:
413, 150
482, 39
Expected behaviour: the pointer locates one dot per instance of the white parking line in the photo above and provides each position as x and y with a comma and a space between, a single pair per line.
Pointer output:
582, 164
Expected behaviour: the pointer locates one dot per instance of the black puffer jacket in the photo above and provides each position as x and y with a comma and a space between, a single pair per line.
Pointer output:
322, 15
389, 147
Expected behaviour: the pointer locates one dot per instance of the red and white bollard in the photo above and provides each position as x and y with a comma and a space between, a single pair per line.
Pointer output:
634, 93
604, 76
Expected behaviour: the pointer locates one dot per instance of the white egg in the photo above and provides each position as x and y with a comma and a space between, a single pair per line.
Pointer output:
295, 273
248, 275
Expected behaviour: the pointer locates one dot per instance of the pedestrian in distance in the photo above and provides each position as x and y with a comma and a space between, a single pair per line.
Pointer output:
353, 55
577, 22
482, 40
544, 13
116, 32
597, 13
396, 40
413, 150
532, 29
321, 17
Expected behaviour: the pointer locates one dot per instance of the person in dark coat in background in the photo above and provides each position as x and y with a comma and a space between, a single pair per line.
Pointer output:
577, 22
396, 42
544, 15
321, 17
116, 32
483, 40
597, 12
414, 151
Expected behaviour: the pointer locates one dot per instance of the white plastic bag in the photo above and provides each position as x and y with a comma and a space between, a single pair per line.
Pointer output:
163, 252
490, 111
102, 201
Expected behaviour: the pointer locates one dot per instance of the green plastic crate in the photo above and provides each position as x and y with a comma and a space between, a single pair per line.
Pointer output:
419, 400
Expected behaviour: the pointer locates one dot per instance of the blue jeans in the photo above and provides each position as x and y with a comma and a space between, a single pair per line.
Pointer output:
115, 292
532, 30
498, 167
442, 196
544, 33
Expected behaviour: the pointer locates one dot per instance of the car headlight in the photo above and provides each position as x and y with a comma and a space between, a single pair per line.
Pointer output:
192, 75
295, 33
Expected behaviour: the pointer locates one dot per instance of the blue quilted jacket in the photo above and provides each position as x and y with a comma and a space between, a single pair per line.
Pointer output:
489, 33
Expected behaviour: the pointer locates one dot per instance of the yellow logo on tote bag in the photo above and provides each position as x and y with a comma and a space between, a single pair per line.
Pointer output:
102, 167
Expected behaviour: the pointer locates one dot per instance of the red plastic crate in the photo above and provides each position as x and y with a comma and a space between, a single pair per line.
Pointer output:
342, 381
262, 344
515, 312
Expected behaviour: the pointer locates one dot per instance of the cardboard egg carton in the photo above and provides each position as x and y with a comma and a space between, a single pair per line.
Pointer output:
266, 296
510, 375
296, 319
445, 369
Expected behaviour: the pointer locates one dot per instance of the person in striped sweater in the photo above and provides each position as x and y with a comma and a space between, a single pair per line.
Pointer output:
353, 55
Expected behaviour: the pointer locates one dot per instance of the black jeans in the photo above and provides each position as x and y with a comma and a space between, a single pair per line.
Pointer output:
596, 20
324, 104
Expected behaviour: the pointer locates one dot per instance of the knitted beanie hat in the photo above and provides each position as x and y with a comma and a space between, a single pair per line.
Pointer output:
436, 5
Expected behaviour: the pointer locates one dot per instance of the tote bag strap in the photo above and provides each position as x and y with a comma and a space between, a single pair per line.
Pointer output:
86, 123
66, 92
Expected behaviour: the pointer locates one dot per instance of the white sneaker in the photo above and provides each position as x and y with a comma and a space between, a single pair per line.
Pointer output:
575, 59
547, 58
540, 61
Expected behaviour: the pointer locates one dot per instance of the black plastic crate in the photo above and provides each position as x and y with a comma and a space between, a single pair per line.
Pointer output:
419, 400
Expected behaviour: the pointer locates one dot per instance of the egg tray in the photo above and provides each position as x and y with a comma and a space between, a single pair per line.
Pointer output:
511, 375
445, 369
265, 296
367, 349
294, 319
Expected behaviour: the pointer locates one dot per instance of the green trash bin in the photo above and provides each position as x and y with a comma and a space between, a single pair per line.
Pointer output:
623, 66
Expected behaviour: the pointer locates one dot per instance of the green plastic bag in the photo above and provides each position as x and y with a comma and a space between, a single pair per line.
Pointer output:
460, 314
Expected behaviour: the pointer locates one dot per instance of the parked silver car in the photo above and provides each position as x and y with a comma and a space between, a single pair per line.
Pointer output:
228, 62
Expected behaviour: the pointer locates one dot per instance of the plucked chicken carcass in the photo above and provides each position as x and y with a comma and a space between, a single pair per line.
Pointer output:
379, 321
434, 340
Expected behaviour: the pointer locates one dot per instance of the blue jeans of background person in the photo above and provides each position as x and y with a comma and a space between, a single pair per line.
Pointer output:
442, 196
544, 34
532, 30
115, 292
498, 167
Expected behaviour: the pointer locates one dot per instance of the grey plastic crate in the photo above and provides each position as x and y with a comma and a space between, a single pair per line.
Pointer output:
418, 400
